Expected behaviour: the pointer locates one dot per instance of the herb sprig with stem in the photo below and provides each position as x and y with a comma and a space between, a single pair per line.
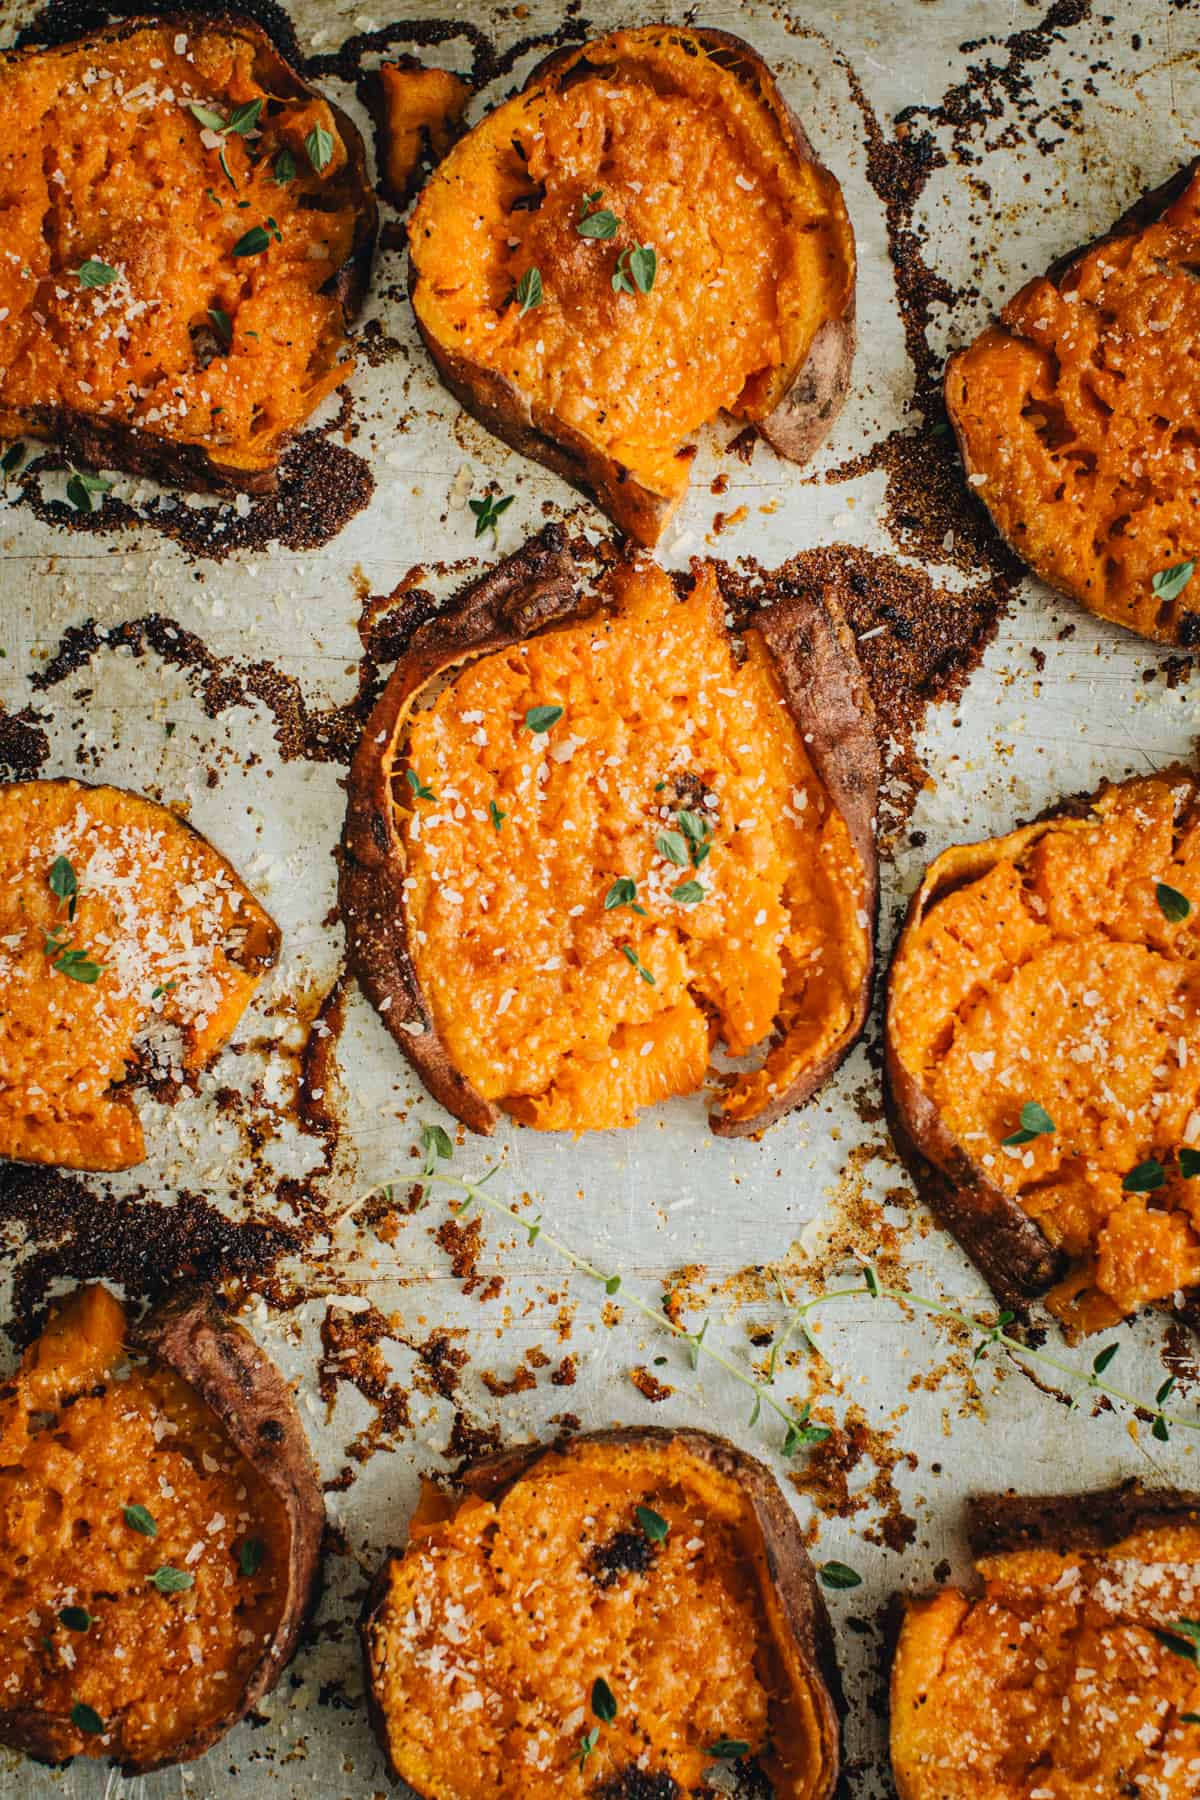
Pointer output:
991, 1333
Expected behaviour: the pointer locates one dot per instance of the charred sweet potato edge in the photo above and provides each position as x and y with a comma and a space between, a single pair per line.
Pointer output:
801, 1613
1002, 1240
100, 443
999, 1524
528, 593
796, 425
220, 1361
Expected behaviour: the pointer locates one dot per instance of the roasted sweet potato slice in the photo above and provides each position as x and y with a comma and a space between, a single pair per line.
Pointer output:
610, 840
1076, 416
418, 112
555, 1612
548, 320
1070, 1669
188, 229
126, 943
1043, 1052
160, 1533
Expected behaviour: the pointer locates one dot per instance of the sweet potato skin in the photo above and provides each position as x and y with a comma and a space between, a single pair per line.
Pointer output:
1002, 1240
1183, 628
527, 594
792, 1576
105, 443
222, 1363
795, 426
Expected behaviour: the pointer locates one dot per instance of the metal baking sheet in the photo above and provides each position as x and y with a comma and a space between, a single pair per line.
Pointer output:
975, 142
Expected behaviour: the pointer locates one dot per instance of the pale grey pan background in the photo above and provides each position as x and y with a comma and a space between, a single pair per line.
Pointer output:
667, 1193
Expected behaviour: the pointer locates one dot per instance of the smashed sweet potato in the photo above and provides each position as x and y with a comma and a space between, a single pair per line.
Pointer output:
1076, 416
418, 112
611, 841
628, 1616
1070, 1672
160, 1527
1043, 1052
638, 241
127, 944
188, 229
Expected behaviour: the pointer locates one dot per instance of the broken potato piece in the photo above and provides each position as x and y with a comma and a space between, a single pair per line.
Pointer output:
127, 945
638, 241
632, 1616
1043, 1052
418, 113
188, 232
1068, 1671
160, 1533
590, 838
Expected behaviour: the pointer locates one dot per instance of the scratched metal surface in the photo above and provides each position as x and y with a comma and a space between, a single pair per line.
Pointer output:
667, 1194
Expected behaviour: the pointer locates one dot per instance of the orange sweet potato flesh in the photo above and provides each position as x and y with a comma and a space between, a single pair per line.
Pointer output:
419, 110
505, 1610
1051, 1681
106, 165
1076, 415
573, 1013
82, 1623
180, 946
1051, 967
683, 136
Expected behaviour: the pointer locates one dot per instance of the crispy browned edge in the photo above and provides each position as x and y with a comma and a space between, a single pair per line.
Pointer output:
100, 443
789, 1567
371, 93
1005, 1244
997, 1524
529, 592
246, 1392
260, 963
1144, 211
794, 429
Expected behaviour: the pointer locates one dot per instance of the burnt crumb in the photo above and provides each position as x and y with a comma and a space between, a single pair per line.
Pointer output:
147, 1245
24, 746
639, 1784
752, 1781
625, 1553
322, 485
1189, 630
463, 1244
58, 21
649, 1386
742, 446
470, 1442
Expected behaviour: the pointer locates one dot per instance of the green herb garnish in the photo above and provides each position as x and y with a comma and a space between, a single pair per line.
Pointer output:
653, 1524
839, 1575
635, 270
82, 486
172, 1581
698, 832
587, 1744
138, 1519
1168, 584
1182, 1639
64, 883
318, 147
1145, 1178
497, 817
78, 965
420, 789
1035, 1122
12, 459
86, 1718
222, 326
75, 1618
164, 987
598, 224
802, 1431
1101, 1361
1175, 907
435, 1142
728, 1749
284, 168
96, 274
604, 1701
1189, 1163
672, 845
540, 718
623, 892
631, 957
528, 291
688, 893
250, 1556
488, 510
252, 242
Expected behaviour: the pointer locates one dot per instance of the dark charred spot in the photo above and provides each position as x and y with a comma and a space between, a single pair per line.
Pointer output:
625, 1553
1189, 630
640, 1784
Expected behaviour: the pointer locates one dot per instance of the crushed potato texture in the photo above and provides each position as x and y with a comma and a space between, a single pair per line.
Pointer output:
567, 1009
1050, 973
84, 1435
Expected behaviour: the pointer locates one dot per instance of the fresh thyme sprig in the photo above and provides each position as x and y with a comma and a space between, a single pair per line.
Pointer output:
800, 1430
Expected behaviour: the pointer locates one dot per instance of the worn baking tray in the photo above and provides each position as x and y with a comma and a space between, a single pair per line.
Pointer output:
220, 657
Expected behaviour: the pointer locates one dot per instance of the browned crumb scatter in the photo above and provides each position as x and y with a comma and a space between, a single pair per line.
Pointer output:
649, 1386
